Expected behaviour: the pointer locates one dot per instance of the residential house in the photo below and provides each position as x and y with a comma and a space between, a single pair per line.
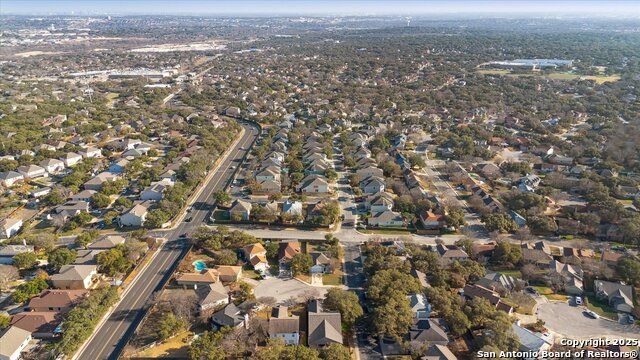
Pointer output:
283, 326
324, 328
611, 258
86, 257
8, 178
517, 218
136, 216
12, 342
107, 242
270, 186
74, 277
536, 257
292, 207
52, 166
240, 209
254, 250
97, 181
450, 253
286, 251
269, 173
83, 196
119, 166
386, 218
72, 208
313, 184
90, 152
9, 251
41, 325
211, 296
428, 332
202, 277
9, 227
369, 171
321, 263
71, 159
379, 202
153, 192
473, 291
231, 316
530, 342
260, 263
39, 192
56, 300
228, 273
32, 171
372, 185
432, 221
619, 296
500, 282
484, 252
419, 306
421, 277
438, 352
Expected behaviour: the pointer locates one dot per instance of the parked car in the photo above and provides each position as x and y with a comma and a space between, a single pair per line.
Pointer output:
591, 314
531, 290
578, 300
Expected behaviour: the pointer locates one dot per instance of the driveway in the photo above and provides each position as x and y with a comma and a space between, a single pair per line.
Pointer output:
569, 321
285, 289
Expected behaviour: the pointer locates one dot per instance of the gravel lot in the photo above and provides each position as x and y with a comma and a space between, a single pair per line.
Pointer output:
284, 289
569, 321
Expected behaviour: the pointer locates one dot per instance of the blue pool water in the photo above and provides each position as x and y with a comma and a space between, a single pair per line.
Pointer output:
199, 265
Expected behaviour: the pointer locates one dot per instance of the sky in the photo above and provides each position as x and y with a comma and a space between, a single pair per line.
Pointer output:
629, 8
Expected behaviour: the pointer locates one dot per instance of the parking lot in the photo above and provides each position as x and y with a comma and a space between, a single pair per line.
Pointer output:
565, 320
284, 289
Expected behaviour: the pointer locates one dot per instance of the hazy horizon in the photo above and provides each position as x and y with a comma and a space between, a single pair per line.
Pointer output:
320, 8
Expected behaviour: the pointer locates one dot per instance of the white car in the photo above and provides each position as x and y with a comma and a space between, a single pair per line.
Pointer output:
592, 314
578, 300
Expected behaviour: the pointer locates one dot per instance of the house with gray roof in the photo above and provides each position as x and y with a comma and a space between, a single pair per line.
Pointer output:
212, 295
12, 342
324, 328
530, 341
231, 316
617, 295
428, 332
284, 326
8, 178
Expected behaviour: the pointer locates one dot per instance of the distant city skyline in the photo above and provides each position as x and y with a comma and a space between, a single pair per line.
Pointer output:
319, 8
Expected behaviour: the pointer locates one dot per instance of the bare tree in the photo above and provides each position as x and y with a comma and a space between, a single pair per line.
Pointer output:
309, 295
8, 274
266, 300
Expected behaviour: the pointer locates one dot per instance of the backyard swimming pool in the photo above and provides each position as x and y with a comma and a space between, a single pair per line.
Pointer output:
199, 265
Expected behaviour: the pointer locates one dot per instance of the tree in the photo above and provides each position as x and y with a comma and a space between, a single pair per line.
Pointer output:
301, 263
157, 217
207, 346
29, 289
455, 218
25, 260
245, 292
226, 257
416, 161
100, 201
5, 321
86, 237
335, 352
112, 262
629, 270
507, 253
222, 197
499, 222
54, 198
394, 316
275, 196
60, 257
345, 302
542, 225
169, 325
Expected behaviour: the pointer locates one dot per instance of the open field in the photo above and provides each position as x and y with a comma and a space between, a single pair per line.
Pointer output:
599, 79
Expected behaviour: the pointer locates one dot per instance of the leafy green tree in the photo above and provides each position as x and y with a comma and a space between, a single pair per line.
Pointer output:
29, 289
86, 237
542, 225
170, 325
245, 292
100, 201
5, 320
61, 256
207, 346
156, 217
301, 263
226, 257
629, 270
455, 218
25, 260
499, 222
345, 302
416, 161
223, 197
54, 198
112, 262
507, 254
123, 202
335, 352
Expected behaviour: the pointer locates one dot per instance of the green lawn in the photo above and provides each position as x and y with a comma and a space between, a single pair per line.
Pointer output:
601, 308
522, 303
332, 279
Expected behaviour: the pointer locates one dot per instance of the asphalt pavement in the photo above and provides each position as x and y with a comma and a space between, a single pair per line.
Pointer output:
110, 338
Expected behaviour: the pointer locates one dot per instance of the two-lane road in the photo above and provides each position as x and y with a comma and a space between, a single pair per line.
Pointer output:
111, 337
